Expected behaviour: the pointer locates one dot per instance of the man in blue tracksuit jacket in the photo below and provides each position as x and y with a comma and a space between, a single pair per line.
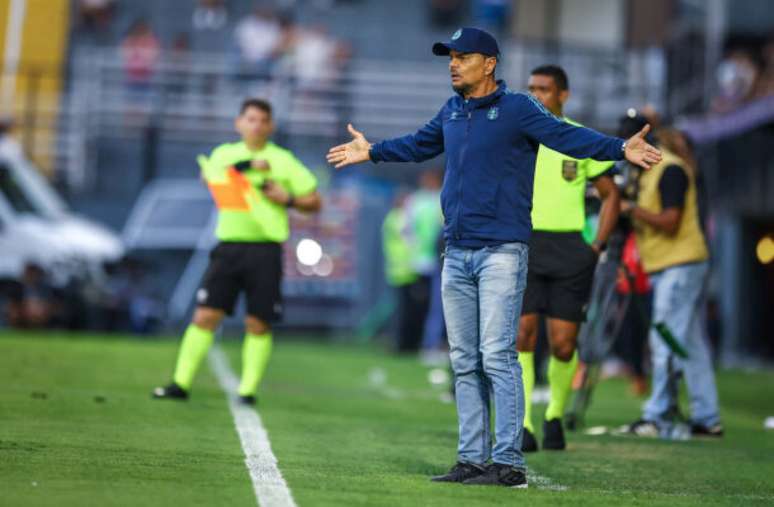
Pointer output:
490, 136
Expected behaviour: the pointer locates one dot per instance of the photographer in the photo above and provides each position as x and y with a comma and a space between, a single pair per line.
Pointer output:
675, 256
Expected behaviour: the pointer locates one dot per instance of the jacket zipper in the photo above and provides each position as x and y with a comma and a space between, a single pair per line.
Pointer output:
462, 158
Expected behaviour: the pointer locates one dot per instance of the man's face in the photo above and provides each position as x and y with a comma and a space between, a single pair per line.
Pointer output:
545, 89
469, 69
254, 125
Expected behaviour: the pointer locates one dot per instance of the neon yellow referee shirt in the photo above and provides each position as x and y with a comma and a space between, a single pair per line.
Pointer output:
560, 188
245, 214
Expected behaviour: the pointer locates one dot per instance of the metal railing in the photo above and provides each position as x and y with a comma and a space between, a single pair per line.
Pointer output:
194, 97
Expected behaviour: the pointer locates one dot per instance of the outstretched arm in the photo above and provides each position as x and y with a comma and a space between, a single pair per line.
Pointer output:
581, 142
424, 144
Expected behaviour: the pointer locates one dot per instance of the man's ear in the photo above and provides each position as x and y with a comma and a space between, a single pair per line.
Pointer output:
491, 65
563, 96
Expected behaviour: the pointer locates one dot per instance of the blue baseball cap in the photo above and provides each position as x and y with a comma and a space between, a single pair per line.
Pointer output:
468, 40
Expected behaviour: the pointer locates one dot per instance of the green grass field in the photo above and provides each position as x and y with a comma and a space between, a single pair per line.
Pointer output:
349, 426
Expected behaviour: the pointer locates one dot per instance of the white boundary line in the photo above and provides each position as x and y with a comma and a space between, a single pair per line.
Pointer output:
270, 487
543, 482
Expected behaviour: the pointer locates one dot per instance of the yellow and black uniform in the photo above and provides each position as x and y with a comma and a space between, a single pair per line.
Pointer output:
251, 228
561, 263
670, 184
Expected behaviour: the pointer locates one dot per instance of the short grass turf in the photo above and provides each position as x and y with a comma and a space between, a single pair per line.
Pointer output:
349, 425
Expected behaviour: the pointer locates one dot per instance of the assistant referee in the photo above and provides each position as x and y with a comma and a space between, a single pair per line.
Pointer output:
561, 264
253, 183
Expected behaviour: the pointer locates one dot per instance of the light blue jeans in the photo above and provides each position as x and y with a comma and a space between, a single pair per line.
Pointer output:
482, 292
679, 302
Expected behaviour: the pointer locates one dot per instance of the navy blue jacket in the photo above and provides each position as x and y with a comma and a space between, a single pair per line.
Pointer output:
491, 143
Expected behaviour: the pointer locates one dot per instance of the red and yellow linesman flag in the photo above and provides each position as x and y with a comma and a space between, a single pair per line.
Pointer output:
230, 189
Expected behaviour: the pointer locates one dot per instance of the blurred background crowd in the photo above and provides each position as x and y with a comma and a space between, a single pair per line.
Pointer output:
104, 224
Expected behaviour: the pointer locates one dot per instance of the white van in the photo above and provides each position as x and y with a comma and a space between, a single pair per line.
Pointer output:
37, 226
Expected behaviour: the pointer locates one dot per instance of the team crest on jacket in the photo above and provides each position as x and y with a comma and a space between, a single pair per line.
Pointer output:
493, 113
569, 169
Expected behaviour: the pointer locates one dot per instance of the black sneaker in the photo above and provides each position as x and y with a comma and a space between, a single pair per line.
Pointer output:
528, 441
170, 392
699, 430
643, 428
459, 473
500, 475
553, 435
248, 400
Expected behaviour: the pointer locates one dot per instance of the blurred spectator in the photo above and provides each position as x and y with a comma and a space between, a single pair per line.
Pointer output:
631, 341
93, 21
737, 76
129, 303
425, 223
412, 289
260, 39
674, 254
30, 300
419, 232
210, 28
95, 15
745, 74
210, 15
6, 125
318, 57
445, 13
179, 62
140, 51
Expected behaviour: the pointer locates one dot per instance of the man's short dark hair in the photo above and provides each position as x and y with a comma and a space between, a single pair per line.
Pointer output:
261, 104
555, 72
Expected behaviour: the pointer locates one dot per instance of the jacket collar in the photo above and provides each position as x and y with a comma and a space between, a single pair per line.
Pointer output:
486, 100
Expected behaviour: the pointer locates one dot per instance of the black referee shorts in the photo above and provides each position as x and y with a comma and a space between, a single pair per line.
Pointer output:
559, 275
255, 268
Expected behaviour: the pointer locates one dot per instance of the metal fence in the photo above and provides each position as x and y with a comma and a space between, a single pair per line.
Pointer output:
193, 97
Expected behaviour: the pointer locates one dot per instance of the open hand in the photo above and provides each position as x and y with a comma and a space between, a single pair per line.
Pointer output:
639, 152
353, 152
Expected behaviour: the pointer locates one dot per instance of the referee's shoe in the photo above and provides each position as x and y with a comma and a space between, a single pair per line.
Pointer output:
528, 441
553, 435
170, 392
